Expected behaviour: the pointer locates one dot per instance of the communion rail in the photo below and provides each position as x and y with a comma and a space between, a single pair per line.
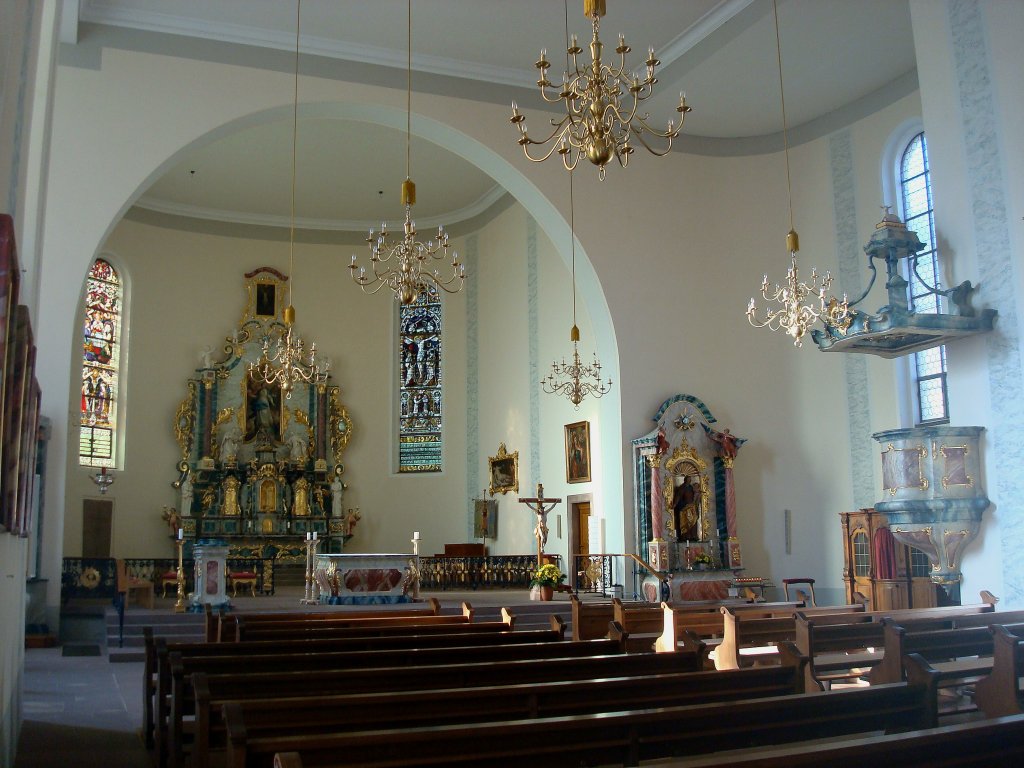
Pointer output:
490, 572
605, 574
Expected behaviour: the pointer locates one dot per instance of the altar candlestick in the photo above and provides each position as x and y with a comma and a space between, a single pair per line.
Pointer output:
181, 533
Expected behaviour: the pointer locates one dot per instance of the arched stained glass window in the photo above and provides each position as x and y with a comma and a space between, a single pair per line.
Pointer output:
419, 432
929, 366
100, 356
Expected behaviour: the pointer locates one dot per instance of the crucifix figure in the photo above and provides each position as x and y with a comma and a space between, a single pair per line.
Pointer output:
540, 506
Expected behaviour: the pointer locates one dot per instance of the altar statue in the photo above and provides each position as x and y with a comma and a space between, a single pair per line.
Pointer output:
300, 504
686, 508
297, 448
229, 443
337, 487
351, 519
186, 496
230, 505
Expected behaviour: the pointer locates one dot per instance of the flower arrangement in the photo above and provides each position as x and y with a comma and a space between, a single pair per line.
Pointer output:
547, 576
702, 558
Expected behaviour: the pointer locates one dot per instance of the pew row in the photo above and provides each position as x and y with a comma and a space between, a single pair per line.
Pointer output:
623, 737
980, 744
180, 704
999, 693
252, 718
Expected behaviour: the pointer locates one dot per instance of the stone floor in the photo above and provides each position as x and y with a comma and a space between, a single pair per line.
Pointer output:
84, 712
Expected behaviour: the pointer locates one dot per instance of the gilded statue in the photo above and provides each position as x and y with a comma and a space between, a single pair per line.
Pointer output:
300, 506
230, 506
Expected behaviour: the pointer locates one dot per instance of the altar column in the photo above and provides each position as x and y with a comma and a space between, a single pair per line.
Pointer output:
657, 548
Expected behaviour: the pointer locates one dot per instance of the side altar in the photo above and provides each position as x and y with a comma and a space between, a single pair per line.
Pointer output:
685, 501
261, 468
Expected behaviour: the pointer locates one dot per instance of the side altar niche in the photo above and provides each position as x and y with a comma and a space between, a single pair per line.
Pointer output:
260, 469
686, 504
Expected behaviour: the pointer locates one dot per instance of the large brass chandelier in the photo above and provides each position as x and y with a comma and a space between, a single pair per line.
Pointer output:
289, 363
602, 103
575, 380
793, 315
404, 265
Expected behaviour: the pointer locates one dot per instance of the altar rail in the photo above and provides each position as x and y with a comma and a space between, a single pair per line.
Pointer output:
605, 574
96, 577
493, 571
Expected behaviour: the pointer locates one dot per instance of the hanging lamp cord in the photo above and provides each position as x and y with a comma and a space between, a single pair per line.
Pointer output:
408, 95
785, 124
295, 133
572, 206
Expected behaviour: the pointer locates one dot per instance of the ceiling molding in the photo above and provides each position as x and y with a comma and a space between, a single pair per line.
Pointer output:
470, 211
707, 24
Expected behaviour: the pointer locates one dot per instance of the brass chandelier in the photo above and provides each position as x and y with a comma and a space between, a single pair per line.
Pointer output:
793, 315
289, 363
575, 380
404, 266
602, 103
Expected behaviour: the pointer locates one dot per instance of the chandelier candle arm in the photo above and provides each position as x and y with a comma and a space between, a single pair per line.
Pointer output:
404, 265
602, 104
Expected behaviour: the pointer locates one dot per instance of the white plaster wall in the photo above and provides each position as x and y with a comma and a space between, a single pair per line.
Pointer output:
13, 554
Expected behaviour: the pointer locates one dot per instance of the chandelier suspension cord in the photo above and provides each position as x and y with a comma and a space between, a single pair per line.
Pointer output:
408, 97
782, 98
572, 206
295, 135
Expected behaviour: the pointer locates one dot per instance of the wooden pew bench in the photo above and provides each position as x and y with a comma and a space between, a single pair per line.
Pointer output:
590, 620
250, 718
752, 637
644, 623
842, 647
623, 737
999, 693
220, 624
180, 703
980, 744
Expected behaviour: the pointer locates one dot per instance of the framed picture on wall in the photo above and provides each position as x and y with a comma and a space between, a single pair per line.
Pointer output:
577, 452
485, 519
504, 470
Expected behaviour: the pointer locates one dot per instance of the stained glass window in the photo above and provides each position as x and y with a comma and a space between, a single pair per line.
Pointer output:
929, 366
100, 354
419, 432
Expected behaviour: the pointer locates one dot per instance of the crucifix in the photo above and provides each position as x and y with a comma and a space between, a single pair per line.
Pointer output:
540, 506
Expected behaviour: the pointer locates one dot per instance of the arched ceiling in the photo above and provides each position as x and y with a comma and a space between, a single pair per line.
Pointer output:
721, 52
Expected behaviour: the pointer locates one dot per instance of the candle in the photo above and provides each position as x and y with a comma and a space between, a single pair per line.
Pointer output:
309, 536
181, 533
314, 535
416, 536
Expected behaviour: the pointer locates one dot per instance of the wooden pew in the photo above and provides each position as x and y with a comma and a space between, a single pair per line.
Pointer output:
590, 620
679, 622
267, 629
623, 737
837, 645
938, 658
751, 636
999, 692
157, 679
357, 712
212, 690
980, 744
180, 703
220, 625
644, 623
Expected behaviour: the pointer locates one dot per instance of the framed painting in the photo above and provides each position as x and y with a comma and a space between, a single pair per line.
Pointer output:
264, 410
485, 519
504, 471
577, 452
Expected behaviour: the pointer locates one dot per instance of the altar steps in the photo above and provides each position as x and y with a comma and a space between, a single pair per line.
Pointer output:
185, 627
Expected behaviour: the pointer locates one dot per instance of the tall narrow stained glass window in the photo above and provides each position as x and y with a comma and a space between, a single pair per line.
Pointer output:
419, 432
928, 366
100, 356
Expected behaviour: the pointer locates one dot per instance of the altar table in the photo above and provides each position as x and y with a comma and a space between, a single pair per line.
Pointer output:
366, 579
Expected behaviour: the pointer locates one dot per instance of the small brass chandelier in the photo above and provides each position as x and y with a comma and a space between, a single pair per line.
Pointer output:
404, 266
794, 316
575, 380
602, 104
289, 363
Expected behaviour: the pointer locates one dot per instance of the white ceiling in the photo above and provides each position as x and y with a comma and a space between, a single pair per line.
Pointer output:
721, 52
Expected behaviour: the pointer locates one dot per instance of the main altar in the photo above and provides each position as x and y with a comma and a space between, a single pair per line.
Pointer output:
260, 468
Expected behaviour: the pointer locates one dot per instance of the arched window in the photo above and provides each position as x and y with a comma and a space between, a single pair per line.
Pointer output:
928, 368
101, 347
419, 431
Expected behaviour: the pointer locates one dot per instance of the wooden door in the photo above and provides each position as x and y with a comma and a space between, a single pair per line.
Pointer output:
96, 519
582, 523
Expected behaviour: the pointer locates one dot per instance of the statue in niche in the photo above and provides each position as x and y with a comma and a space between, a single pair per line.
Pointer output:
230, 505
300, 504
337, 487
229, 443
268, 496
686, 509
297, 448
206, 357
186, 496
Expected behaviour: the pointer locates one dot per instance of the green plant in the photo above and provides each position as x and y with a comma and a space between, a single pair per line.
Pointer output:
547, 576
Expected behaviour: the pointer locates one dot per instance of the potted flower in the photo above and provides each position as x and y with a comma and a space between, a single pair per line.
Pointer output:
547, 577
702, 561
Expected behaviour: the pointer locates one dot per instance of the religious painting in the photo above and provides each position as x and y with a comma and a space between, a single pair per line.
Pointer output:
577, 452
485, 519
263, 415
504, 470
264, 293
266, 300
